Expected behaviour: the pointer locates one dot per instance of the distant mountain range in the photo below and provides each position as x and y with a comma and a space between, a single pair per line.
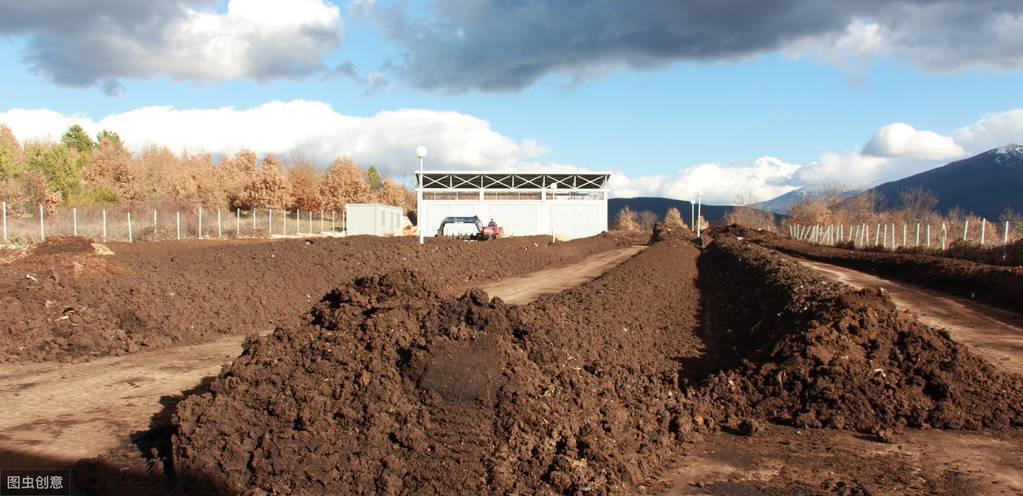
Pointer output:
660, 206
985, 184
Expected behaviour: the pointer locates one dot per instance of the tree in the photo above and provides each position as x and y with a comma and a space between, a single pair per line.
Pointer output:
235, 173
393, 193
57, 165
12, 157
627, 220
646, 220
77, 139
673, 218
269, 188
108, 135
754, 218
917, 203
344, 183
110, 166
376, 183
305, 186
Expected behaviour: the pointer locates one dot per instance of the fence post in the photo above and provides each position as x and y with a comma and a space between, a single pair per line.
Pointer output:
884, 242
321, 221
894, 241
154, 222
1006, 241
5, 220
983, 227
966, 229
298, 222
904, 227
877, 234
928, 236
944, 235
104, 224
310, 222
332, 217
238, 223
220, 233
129, 228
917, 245
284, 219
200, 222
74, 221
42, 227
255, 212
179, 224
270, 223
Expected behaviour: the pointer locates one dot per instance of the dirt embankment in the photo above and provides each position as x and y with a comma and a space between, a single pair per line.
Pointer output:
811, 353
998, 286
392, 387
64, 301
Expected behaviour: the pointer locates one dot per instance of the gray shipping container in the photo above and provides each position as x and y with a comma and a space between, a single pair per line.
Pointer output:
373, 219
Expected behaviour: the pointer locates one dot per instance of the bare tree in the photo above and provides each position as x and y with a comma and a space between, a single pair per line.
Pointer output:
673, 218
917, 203
627, 220
646, 220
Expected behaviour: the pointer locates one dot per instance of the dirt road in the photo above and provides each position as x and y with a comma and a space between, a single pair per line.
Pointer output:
63, 412
522, 290
995, 334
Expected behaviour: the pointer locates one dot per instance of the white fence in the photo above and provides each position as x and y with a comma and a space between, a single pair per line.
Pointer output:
892, 236
135, 224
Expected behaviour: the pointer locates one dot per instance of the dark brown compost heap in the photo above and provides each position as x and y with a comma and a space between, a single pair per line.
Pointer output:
813, 353
392, 388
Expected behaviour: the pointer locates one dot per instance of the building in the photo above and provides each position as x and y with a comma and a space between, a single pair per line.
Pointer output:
373, 218
523, 203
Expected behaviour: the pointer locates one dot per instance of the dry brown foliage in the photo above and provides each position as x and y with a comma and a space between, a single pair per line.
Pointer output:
626, 220
392, 193
110, 165
673, 218
305, 186
269, 188
344, 183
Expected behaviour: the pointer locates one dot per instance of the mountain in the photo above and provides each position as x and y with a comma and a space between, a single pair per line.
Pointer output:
985, 184
783, 204
660, 206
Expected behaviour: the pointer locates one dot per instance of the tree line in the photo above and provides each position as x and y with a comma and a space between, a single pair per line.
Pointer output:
83, 171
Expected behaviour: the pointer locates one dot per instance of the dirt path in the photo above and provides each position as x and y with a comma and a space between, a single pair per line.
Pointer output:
59, 413
522, 290
995, 334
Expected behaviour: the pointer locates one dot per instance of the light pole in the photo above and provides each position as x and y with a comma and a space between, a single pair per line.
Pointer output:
421, 152
692, 215
699, 204
554, 189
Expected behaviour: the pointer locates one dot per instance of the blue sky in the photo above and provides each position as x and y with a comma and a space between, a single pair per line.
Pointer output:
764, 119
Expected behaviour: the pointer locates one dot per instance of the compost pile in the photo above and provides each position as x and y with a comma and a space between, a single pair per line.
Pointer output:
840, 358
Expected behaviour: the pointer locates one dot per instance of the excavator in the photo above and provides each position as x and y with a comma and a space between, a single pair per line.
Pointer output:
483, 232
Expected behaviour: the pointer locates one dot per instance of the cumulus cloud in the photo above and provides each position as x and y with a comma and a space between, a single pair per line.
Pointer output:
766, 177
83, 44
991, 131
386, 139
902, 140
494, 45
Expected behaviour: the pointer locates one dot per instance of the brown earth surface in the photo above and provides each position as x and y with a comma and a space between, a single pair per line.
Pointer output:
64, 301
1000, 286
734, 371
67, 411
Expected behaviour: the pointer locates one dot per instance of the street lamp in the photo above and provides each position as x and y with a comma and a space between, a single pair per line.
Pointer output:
421, 152
699, 203
554, 189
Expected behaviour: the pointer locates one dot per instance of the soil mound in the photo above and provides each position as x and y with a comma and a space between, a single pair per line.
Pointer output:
390, 388
840, 358
75, 245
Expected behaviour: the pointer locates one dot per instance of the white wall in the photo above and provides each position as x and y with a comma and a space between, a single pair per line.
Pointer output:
571, 218
373, 219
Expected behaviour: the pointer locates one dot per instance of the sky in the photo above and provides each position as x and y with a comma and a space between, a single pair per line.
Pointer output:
740, 101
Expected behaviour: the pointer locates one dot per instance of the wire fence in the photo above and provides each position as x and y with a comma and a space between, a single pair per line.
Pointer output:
154, 224
892, 236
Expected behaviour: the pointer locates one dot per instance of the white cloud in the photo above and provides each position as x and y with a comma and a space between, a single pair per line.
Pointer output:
901, 140
765, 178
386, 139
991, 131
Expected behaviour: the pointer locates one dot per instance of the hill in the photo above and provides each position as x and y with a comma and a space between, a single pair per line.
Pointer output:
783, 204
985, 184
660, 206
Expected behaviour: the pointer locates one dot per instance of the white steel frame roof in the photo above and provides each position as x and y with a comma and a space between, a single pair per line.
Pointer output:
511, 181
